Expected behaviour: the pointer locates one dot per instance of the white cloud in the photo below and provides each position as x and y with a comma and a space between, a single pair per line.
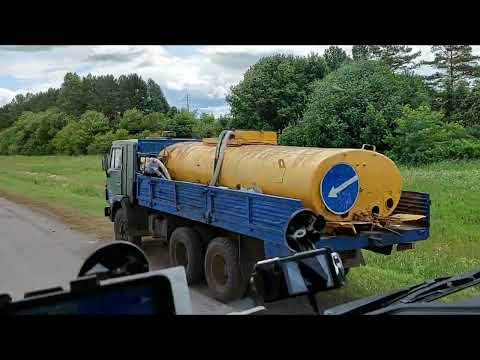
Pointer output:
6, 96
301, 50
215, 110
205, 70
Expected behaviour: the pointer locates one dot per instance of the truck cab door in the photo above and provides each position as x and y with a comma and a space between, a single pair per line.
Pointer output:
114, 173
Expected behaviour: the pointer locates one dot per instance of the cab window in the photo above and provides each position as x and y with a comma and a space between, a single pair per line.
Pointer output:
116, 158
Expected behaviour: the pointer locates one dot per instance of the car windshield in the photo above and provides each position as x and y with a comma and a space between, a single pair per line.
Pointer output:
369, 151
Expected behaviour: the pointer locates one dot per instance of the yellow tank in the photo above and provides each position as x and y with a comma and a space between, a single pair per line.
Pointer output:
296, 172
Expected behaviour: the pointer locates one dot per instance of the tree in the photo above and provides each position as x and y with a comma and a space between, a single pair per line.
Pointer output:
7, 116
396, 57
107, 97
467, 109
356, 104
423, 136
71, 98
361, 52
132, 92
155, 100
274, 91
172, 111
29, 102
454, 63
98, 102
335, 57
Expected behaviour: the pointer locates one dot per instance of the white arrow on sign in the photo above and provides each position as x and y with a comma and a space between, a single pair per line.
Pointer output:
335, 190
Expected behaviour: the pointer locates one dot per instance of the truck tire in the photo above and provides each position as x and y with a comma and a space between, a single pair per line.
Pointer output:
121, 230
222, 270
206, 234
185, 249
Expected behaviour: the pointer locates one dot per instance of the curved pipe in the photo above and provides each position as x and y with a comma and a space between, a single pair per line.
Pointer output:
164, 170
219, 155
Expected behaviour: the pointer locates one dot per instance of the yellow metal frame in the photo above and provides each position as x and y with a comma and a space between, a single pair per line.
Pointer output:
248, 137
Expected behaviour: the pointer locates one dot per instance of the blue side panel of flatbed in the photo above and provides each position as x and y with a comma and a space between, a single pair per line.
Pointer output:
264, 216
154, 146
257, 215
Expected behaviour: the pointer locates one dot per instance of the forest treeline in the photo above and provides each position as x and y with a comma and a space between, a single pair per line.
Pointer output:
376, 96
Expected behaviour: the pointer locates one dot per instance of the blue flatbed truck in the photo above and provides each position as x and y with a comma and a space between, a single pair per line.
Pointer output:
219, 234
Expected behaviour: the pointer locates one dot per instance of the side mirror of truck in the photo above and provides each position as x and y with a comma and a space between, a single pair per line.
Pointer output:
105, 162
304, 273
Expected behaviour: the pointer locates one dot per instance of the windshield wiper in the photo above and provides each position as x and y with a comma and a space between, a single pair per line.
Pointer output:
444, 287
424, 292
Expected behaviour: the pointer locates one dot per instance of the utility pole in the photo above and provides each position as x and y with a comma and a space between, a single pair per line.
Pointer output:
188, 105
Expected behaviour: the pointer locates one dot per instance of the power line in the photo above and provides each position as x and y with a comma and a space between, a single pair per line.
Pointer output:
188, 103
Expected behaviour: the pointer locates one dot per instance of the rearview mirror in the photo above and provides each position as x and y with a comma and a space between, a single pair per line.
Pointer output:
116, 259
305, 273
105, 162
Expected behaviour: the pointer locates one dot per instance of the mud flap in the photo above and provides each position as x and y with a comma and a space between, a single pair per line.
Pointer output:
352, 258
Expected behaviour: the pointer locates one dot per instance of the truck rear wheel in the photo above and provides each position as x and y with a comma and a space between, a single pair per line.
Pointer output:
121, 230
185, 249
222, 270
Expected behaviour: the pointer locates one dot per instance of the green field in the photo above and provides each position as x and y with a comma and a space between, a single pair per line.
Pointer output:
71, 182
77, 184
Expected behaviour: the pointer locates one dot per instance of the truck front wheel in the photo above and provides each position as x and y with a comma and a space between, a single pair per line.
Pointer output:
185, 247
121, 230
222, 270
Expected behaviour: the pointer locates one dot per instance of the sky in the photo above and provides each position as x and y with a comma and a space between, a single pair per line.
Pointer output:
206, 73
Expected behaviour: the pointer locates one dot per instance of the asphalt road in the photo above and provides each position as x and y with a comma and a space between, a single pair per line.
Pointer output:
37, 251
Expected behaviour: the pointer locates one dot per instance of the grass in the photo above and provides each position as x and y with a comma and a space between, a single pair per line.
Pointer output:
70, 187
75, 186
74, 182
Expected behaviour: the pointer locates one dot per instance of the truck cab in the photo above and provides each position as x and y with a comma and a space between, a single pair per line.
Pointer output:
121, 166
121, 163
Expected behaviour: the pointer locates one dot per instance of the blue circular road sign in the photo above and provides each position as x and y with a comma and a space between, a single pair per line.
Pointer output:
339, 188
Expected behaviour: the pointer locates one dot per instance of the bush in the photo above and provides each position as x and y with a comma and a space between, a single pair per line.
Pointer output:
182, 123
423, 136
8, 143
94, 123
207, 126
155, 122
354, 105
102, 142
474, 131
467, 109
32, 133
71, 140
132, 121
